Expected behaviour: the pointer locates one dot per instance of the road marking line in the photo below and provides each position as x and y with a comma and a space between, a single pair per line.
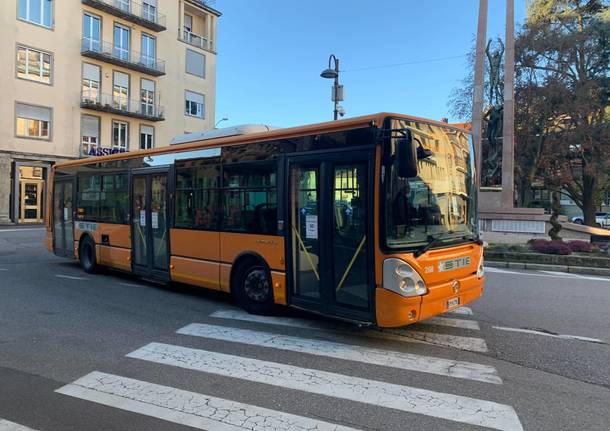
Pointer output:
453, 323
130, 284
12, 426
387, 358
552, 274
186, 408
465, 311
403, 335
17, 230
388, 395
70, 277
3, 269
566, 337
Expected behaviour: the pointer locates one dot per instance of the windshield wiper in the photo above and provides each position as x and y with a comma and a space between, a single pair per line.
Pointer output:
433, 241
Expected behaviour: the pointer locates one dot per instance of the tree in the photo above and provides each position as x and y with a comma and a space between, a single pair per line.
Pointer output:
562, 92
564, 48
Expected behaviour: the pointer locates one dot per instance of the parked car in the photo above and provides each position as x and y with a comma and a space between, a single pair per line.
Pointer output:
602, 219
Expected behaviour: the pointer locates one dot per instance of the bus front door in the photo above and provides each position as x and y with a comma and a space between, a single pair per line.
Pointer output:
330, 216
149, 225
63, 224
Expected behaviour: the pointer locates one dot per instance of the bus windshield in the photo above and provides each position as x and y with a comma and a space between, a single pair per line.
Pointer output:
439, 203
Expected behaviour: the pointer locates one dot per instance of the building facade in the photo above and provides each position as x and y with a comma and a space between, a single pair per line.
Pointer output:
91, 77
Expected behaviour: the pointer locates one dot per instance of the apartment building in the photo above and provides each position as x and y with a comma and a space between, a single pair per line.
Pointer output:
88, 77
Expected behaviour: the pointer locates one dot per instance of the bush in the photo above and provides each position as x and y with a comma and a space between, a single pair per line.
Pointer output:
578, 246
550, 247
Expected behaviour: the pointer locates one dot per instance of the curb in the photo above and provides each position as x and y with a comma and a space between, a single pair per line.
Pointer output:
543, 267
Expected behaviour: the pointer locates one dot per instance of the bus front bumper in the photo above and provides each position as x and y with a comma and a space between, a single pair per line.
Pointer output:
394, 310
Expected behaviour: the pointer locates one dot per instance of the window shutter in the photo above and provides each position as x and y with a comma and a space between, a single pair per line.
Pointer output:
91, 71
121, 79
90, 126
33, 112
195, 63
148, 85
194, 97
147, 130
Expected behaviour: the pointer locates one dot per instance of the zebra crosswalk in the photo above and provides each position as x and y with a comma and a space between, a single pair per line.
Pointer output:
207, 411
12, 426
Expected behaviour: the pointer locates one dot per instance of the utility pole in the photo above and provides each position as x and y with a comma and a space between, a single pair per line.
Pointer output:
508, 126
477, 99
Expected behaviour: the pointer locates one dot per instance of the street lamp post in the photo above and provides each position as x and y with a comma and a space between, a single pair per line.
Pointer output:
337, 92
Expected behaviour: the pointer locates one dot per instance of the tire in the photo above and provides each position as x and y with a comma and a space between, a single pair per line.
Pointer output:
86, 255
253, 288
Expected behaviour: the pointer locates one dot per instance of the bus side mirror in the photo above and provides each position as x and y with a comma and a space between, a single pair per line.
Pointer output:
406, 156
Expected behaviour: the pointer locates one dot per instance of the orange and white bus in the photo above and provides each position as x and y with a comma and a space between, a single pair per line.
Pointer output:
370, 219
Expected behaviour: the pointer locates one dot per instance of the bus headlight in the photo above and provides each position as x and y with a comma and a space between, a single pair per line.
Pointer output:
400, 277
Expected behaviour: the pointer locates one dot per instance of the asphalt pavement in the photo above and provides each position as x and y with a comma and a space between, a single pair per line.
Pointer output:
111, 352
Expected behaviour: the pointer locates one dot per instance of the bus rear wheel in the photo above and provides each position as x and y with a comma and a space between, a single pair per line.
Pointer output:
86, 254
254, 289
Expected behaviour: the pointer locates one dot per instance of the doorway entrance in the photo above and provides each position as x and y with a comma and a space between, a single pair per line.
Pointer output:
331, 232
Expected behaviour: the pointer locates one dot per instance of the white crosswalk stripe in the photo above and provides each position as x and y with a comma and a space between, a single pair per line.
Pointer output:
12, 426
452, 323
186, 408
403, 361
406, 335
387, 395
466, 311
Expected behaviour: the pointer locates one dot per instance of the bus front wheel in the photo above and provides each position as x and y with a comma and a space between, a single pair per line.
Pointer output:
253, 288
86, 254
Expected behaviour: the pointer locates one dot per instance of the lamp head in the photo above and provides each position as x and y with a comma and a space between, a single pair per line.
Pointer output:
329, 74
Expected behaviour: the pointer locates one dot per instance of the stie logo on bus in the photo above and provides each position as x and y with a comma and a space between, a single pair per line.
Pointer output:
105, 151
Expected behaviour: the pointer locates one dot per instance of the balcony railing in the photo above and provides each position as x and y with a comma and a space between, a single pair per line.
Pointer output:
105, 51
195, 40
121, 105
142, 14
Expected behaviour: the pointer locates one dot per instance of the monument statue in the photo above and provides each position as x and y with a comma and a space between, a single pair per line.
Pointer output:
491, 172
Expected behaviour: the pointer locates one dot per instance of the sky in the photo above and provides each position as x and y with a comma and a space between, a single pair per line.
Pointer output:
271, 53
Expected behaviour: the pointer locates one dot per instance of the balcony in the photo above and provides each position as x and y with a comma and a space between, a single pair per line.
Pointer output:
105, 51
195, 40
132, 11
121, 106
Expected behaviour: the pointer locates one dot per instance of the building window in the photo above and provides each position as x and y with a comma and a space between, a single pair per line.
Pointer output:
120, 136
121, 42
195, 104
120, 91
33, 121
90, 130
147, 137
188, 23
123, 5
147, 97
195, 63
91, 32
149, 10
36, 11
148, 50
91, 83
33, 64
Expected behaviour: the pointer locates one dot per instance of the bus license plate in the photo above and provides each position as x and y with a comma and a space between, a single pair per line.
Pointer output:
453, 302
